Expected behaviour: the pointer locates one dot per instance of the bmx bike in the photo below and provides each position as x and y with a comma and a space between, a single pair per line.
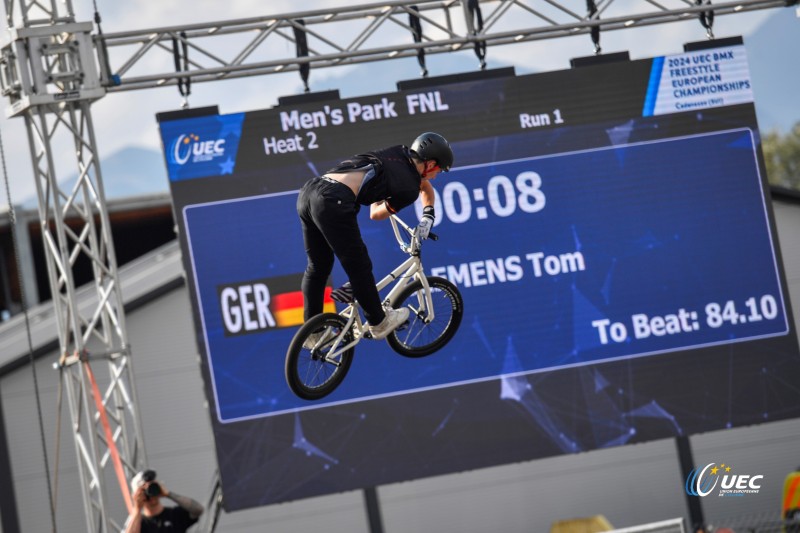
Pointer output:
435, 311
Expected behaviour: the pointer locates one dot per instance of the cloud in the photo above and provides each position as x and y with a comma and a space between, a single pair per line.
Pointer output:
128, 118
124, 16
644, 42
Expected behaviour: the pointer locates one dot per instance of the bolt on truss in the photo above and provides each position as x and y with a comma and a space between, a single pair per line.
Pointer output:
48, 73
374, 32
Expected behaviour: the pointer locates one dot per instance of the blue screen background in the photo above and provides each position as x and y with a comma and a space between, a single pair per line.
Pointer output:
660, 225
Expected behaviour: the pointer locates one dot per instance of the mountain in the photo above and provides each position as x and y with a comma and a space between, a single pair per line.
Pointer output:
134, 171
361, 80
771, 49
131, 171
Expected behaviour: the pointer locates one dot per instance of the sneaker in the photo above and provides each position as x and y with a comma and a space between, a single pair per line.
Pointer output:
394, 318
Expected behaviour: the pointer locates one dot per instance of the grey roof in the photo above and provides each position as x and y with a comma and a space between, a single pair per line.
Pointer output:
142, 279
118, 205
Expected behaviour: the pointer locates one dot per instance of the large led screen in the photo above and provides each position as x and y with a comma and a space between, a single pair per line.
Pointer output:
609, 230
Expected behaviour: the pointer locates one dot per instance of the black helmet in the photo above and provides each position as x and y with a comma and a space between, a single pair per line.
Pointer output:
433, 146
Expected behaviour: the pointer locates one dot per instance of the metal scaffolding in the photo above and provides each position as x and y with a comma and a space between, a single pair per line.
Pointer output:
374, 32
54, 68
50, 77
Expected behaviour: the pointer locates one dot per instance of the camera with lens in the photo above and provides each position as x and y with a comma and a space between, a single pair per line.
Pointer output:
153, 489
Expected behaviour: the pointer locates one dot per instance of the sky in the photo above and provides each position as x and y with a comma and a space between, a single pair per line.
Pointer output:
125, 119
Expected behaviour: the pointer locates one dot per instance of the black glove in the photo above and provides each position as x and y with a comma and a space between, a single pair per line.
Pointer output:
425, 225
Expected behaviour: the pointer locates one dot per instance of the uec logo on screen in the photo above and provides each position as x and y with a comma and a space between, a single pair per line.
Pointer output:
187, 146
702, 482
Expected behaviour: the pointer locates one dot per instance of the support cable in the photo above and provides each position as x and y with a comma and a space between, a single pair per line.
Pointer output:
59, 410
112, 445
706, 18
97, 18
416, 32
480, 46
591, 7
103, 49
301, 42
180, 54
214, 506
13, 223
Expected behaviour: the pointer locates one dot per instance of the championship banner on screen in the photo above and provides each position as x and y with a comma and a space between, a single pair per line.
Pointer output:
614, 247
699, 80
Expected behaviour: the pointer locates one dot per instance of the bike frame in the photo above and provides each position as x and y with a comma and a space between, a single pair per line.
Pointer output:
402, 275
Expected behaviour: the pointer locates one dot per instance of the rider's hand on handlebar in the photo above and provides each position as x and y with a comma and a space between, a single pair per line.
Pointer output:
425, 225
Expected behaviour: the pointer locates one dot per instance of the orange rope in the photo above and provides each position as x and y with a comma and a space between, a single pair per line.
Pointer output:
112, 447
789, 494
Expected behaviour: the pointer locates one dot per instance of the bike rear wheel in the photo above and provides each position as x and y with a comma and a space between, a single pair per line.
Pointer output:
309, 373
420, 337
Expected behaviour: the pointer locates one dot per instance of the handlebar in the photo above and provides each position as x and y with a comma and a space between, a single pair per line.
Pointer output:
413, 246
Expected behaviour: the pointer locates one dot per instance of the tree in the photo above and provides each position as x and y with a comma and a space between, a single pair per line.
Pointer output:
782, 157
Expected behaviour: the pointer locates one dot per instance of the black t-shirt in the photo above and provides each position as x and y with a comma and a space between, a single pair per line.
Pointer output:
396, 178
171, 519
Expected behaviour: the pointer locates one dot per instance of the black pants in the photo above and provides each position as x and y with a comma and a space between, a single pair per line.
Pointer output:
328, 213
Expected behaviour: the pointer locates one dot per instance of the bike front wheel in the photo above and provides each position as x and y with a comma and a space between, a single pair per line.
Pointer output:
421, 336
311, 373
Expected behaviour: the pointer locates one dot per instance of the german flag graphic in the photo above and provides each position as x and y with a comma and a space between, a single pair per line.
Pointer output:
287, 308
258, 305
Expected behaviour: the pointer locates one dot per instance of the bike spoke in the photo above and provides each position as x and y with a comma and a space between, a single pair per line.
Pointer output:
313, 374
313, 370
420, 328
420, 336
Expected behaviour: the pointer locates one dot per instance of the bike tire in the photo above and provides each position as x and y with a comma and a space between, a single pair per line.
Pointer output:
308, 374
417, 338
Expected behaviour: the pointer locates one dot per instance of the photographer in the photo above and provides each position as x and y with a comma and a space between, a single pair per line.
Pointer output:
149, 515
